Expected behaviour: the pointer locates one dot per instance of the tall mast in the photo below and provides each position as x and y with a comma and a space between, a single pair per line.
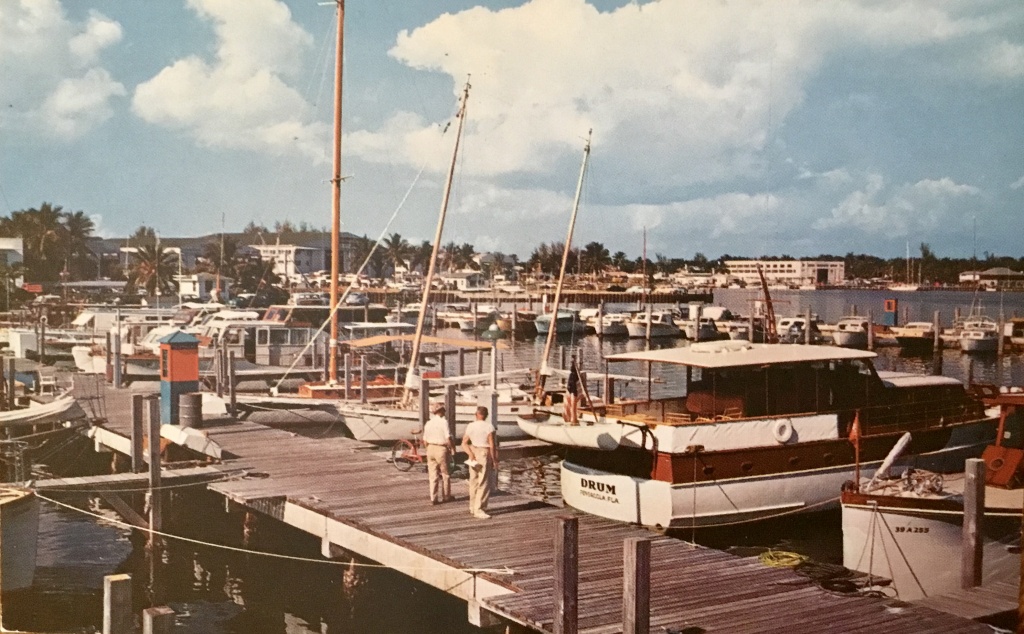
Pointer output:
428, 282
553, 327
332, 375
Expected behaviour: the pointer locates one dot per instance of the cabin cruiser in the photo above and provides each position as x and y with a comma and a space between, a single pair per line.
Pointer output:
851, 332
609, 325
567, 322
661, 323
794, 330
979, 334
753, 431
915, 335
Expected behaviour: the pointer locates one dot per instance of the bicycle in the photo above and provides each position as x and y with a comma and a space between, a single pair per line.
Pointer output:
407, 453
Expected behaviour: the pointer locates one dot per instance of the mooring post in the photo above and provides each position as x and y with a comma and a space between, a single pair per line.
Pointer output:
441, 363
561, 351
974, 523
636, 586
871, 331
364, 388
42, 340
1001, 345
647, 329
609, 390
155, 515
348, 375
157, 620
937, 332
424, 412
449, 410
807, 329
599, 324
232, 400
117, 605
462, 361
480, 361
116, 375
138, 433
11, 369
566, 582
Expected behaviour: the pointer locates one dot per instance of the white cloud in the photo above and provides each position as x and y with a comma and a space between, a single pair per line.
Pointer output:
682, 92
49, 69
243, 97
899, 211
1017, 184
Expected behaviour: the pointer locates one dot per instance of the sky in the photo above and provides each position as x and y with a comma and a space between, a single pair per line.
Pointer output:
742, 127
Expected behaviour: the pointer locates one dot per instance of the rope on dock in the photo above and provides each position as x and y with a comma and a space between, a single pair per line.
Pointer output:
348, 564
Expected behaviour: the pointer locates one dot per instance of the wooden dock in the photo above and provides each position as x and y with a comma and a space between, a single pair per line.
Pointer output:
345, 493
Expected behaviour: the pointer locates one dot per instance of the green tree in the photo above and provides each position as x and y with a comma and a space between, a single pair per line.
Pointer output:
595, 258
152, 268
397, 251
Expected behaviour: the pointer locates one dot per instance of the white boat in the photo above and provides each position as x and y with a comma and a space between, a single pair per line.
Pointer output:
979, 334
609, 325
915, 335
662, 324
61, 409
700, 329
793, 330
851, 332
756, 430
567, 323
910, 530
904, 287
19, 530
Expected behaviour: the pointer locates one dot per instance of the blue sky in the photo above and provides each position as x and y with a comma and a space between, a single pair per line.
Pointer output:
746, 128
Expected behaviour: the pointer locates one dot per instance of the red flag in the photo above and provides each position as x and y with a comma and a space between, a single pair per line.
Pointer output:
855, 428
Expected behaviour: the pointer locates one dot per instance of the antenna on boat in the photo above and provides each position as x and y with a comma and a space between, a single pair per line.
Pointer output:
553, 326
428, 282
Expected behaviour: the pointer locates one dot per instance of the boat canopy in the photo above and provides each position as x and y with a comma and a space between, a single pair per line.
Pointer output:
728, 354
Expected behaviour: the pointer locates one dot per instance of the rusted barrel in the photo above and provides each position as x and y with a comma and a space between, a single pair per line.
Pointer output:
190, 409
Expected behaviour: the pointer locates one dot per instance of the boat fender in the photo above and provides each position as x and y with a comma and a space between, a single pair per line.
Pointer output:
783, 431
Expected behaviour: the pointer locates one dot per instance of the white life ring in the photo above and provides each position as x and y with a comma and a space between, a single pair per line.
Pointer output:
783, 431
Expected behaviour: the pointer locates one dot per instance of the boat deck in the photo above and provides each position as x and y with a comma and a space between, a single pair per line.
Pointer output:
347, 494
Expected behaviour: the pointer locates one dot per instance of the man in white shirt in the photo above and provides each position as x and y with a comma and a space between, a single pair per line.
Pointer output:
438, 441
478, 443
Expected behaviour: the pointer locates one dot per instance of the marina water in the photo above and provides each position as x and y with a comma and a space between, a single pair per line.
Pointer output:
219, 591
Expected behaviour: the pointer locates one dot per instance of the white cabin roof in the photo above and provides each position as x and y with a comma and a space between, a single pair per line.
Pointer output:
725, 354
906, 379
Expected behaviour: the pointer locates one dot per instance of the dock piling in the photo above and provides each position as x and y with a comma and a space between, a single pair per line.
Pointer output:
11, 369
449, 410
138, 433
348, 375
566, 581
117, 604
232, 400
937, 333
871, 331
155, 512
424, 402
364, 387
974, 523
157, 620
636, 586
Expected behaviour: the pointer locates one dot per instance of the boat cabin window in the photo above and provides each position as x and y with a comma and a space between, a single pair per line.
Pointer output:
279, 337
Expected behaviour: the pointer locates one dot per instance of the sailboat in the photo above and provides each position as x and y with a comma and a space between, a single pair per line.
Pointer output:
909, 284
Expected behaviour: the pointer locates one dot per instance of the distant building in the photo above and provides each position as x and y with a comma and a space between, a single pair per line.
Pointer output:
789, 272
293, 262
203, 286
464, 280
12, 251
999, 277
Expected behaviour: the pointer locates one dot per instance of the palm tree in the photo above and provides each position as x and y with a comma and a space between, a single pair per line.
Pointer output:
595, 257
397, 251
464, 256
78, 227
222, 255
420, 258
9, 273
43, 234
152, 269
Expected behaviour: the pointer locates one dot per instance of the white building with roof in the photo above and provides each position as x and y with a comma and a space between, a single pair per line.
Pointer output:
790, 272
293, 262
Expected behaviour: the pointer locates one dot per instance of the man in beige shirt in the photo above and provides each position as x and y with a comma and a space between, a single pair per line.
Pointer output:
439, 453
478, 443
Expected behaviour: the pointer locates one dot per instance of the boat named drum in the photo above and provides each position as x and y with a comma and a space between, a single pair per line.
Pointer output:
758, 430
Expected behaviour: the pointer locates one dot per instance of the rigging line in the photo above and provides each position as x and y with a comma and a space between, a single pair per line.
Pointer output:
362, 267
262, 553
902, 554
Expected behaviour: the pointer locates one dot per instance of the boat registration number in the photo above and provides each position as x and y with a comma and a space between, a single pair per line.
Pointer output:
911, 529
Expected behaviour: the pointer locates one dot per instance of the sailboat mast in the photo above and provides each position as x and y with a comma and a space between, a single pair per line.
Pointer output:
553, 328
332, 375
428, 282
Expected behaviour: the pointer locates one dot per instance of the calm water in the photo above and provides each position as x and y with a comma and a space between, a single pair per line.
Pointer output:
220, 592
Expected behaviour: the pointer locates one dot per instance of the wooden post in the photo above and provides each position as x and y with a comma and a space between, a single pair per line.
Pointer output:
937, 334
750, 327
117, 605
424, 412
441, 363
155, 515
566, 582
363, 387
480, 361
117, 349
647, 330
807, 328
138, 433
636, 586
974, 524
462, 361
11, 368
599, 326
561, 352
348, 375
871, 331
157, 620
609, 390
42, 341
494, 424
1001, 346
233, 407
449, 410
